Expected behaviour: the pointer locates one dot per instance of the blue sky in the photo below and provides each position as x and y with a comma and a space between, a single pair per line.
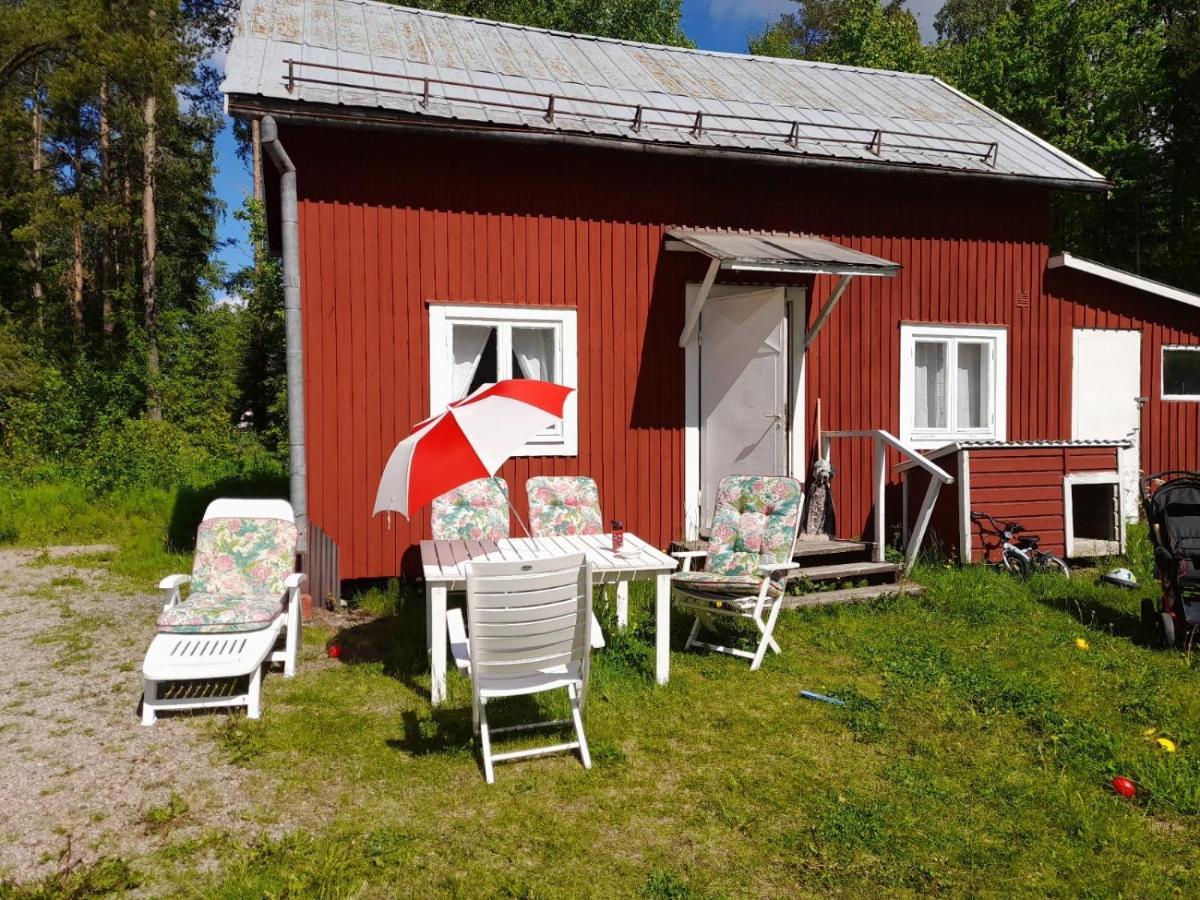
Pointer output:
712, 24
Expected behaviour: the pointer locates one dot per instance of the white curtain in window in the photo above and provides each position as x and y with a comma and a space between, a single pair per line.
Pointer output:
533, 351
930, 400
971, 403
468, 341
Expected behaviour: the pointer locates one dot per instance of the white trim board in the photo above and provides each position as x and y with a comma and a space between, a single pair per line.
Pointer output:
997, 335
1162, 372
1074, 478
442, 317
1119, 276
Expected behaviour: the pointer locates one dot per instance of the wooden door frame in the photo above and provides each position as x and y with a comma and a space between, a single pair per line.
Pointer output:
795, 306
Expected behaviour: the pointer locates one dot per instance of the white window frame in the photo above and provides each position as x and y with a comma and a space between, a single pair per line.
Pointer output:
1162, 371
929, 438
444, 316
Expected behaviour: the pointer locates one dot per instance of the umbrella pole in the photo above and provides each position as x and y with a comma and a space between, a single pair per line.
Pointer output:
508, 500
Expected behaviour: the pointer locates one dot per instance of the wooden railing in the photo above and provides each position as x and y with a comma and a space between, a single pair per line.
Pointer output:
937, 477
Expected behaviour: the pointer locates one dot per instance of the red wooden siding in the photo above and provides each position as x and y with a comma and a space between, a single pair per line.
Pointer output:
1012, 484
1170, 435
392, 222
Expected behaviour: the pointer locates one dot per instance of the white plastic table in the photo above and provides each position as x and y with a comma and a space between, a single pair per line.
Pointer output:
445, 564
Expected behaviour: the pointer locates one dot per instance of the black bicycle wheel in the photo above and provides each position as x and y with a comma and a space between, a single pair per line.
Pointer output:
1016, 564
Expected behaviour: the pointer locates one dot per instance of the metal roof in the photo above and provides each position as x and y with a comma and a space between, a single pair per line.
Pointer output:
300, 57
1069, 261
767, 251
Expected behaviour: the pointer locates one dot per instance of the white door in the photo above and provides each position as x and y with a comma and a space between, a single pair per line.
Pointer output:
743, 387
1106, 386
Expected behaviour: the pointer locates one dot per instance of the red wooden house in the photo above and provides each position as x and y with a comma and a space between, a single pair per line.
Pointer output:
705, 245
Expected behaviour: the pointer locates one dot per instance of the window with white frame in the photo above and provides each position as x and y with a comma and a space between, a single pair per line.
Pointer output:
1181, 373
952, 383
470, 346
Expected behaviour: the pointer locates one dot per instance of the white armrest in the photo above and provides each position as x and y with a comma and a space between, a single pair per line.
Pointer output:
770, 568
460, 647
295, 581
597, 634
171, 585
687, 556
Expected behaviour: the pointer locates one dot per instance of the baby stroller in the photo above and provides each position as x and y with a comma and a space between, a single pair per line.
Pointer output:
1172, 504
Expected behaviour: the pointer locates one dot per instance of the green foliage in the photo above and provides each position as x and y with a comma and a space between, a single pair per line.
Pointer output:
653, 21
107, 876
77, 332
161, 818
855, 32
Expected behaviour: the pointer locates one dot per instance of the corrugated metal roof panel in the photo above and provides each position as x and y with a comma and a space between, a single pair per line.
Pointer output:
733, 91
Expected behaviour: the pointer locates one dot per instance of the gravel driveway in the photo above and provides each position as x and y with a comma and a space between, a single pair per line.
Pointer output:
77, 764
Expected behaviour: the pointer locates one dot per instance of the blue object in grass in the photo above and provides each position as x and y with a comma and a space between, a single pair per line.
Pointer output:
813, 695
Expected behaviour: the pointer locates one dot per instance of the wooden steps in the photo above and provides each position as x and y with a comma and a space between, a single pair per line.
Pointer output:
826, 563
851, 571
851, 595
804, 550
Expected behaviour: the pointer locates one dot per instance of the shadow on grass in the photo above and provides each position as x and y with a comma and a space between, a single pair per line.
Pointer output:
192, 500
1096, 611
395, 642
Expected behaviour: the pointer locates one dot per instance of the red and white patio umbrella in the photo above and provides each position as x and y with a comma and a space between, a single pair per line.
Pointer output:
471, 439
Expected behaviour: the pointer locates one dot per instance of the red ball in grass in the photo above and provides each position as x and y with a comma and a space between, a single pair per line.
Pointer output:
1124, 786
335, 652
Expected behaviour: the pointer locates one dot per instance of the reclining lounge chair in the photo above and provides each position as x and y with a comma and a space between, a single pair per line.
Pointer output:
245, 594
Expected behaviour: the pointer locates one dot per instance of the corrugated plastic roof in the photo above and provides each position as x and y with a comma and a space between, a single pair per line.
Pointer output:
955, 446
787, 252
436, 67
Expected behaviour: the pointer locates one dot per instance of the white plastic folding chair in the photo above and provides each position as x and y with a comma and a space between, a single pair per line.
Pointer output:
530, 632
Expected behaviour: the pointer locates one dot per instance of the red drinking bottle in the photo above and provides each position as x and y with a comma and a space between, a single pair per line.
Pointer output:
618, 535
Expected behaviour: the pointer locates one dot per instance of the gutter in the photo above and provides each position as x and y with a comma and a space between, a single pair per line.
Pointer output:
252, 106
290, 227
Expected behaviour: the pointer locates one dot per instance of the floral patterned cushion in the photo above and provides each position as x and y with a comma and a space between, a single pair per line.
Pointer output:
707, 584
243, 557
564, 505
220, 613
755, 522
476, 511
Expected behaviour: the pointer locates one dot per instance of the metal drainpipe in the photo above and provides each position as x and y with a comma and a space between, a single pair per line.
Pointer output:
290, 227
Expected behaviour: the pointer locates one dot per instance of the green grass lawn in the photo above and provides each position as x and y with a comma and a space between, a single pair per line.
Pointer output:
972, 758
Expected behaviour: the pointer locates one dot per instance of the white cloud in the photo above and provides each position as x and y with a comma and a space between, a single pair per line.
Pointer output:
744, 10
228, 298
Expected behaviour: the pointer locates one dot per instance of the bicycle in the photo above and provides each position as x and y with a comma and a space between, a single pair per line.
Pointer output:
1020, 554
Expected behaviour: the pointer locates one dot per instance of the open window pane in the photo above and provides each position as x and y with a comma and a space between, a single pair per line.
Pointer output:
1181, 372
972, 386
533, 353
930, 364
474, 349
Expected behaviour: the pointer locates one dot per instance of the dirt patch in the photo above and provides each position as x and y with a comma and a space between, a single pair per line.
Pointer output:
77, 763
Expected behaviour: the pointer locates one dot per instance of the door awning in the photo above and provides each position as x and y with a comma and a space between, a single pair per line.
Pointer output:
762, 251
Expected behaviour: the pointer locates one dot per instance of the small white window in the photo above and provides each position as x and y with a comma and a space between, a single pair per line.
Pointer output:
470, 346
1181, 373
952, 383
